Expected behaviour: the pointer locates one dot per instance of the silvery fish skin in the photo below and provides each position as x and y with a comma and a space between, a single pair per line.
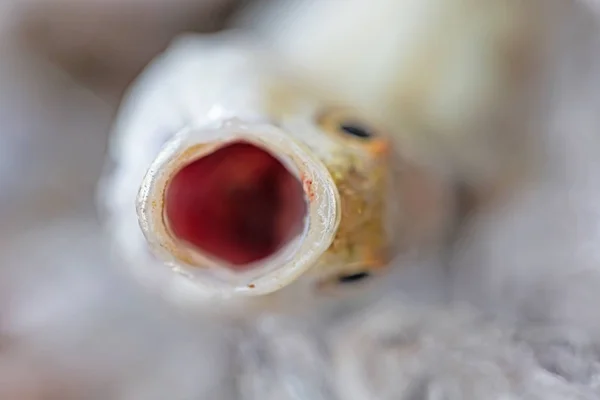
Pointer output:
209, 93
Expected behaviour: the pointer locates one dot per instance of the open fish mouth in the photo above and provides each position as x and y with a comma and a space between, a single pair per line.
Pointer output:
239, 204
238, 208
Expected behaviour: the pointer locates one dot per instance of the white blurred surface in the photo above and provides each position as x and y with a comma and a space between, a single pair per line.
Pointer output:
72, 327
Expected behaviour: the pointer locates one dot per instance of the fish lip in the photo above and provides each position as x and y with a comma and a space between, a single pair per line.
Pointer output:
211, 275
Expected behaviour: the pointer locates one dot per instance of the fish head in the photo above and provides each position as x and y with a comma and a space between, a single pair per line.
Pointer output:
265, 182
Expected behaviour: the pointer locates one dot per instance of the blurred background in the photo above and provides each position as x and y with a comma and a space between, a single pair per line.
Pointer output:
72, 327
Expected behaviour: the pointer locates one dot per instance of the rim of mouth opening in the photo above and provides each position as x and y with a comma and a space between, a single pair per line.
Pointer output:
321, 219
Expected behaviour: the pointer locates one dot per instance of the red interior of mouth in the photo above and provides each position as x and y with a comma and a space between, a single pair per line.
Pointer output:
239, 204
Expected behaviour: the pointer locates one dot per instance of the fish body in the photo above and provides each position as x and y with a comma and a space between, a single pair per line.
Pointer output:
462, 77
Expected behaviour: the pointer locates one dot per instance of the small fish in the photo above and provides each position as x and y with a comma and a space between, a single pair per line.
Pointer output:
247, 178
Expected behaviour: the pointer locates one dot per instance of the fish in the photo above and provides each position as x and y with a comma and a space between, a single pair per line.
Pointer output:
234, 171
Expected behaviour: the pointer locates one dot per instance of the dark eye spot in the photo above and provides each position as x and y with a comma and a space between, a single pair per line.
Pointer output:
356, 130
354, 277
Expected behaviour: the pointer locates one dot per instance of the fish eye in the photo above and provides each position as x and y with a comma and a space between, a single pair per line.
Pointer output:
345, 123
353, 278
332, 283
356, 130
